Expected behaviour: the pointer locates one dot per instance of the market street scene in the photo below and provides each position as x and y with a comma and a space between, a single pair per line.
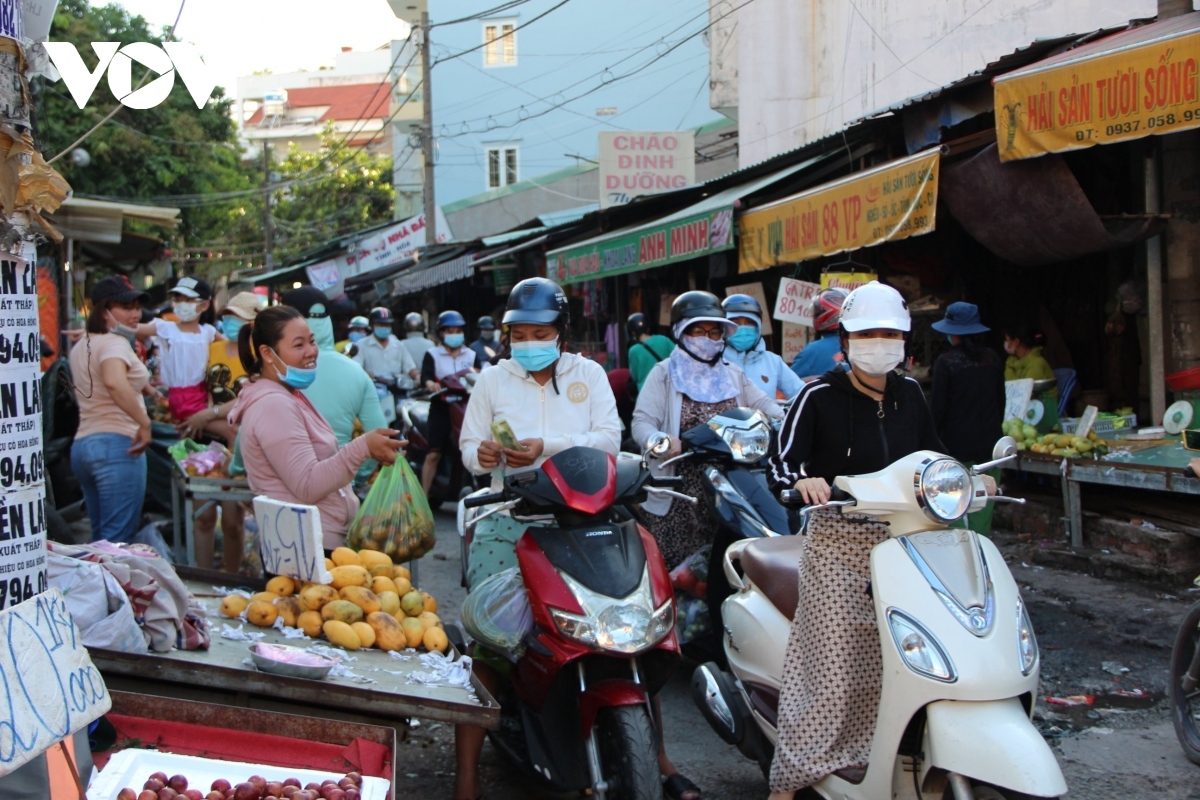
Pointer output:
541, 399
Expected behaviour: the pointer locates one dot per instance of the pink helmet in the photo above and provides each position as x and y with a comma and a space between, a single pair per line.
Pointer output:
826, 308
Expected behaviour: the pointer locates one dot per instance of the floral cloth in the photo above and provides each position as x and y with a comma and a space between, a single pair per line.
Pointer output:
705, 383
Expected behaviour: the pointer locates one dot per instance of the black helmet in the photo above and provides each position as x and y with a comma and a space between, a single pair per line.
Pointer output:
381, 316
414, 322
742, 305
450, 319
696, 305
636, 325
538, 301
486, 323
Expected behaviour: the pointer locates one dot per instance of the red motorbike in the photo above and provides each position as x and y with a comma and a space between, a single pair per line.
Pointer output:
577, 706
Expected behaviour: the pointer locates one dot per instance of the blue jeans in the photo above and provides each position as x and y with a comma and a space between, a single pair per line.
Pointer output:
113, 483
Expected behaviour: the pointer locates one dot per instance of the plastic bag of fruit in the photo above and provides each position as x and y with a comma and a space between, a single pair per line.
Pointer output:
691, 576
692, 620
395, 516
497, 614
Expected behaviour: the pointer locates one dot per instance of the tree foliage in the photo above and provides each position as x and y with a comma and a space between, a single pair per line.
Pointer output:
177, 155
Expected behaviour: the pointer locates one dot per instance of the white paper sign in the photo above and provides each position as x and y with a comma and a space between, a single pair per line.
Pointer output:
290, 541
12, 22
636, 163
794, 303
1017, 395
18, 317
1086, 421
51, 687
795, 337
22, 545
326, 277
391, 245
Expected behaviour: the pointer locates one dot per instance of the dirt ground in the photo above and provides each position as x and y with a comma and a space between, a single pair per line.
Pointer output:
1090, 631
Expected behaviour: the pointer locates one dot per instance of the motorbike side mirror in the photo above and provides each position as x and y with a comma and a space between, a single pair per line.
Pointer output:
1004, 451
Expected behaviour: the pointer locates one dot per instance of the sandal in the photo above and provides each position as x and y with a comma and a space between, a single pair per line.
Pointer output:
677, 786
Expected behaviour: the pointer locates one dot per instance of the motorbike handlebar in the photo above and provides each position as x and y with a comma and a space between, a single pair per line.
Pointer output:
484, 500
791, 498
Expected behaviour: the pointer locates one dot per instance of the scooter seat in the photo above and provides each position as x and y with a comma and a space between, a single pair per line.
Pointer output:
773, 565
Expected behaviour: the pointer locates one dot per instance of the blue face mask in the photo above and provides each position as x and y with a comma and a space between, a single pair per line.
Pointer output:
535, 356
296, 377
356, 336
745, 338
230, 325
383, 333
453, 340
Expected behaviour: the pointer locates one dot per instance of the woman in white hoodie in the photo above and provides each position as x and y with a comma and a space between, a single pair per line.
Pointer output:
552, 400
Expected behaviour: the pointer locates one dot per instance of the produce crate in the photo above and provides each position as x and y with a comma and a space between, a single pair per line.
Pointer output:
205, 741
1102, 425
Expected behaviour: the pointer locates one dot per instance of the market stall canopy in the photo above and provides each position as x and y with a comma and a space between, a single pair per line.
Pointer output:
89, 220
1034, 212
1142, 81
455, 266
892, 201
698, 230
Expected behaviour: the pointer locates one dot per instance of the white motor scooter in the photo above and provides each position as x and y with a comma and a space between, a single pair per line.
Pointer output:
960, 661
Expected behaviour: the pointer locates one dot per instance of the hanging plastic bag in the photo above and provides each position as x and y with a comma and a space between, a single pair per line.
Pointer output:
497, 614
691, 577
395, 518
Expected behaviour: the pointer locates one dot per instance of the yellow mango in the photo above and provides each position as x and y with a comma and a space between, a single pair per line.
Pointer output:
264, 597
383, 584
344, 556
366, 634
430, 603
310, 622
430, 619
374, 558
282, 585
380, 571
412, 604
234, 604
389, 602
401, 572
329, 564
388, 633
365, 599
435, 639
403, 586
290, 609
413, 630
262, 614
341, 610
341, 634
350, 575
317, 595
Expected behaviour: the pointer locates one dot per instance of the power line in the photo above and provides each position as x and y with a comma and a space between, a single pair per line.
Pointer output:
522, 26
482, 14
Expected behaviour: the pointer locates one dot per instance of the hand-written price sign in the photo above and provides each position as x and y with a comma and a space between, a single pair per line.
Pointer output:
51, 689
290, 540
794, 303
1123, 92
795, 337
889, 202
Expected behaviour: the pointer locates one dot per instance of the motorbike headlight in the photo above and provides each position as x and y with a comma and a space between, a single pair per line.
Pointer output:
748, 445
1027, 647
944, 490
625, 625
921, 652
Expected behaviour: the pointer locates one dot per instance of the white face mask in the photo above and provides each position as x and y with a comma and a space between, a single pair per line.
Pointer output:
187, 312
876, 356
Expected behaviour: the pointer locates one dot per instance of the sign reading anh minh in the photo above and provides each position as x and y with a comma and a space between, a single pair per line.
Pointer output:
1120, 93
639, 163
889, 202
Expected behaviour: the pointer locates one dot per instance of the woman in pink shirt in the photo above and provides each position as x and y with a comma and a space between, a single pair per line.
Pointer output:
290, 452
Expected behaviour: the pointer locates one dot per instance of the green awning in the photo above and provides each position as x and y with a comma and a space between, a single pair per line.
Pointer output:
698, 230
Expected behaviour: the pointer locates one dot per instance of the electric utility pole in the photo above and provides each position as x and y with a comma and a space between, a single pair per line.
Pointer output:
268, 226
427, 132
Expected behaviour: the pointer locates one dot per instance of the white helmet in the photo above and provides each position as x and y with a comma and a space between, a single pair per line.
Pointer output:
875, 305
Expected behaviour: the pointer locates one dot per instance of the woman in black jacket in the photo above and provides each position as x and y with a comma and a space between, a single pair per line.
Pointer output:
968, 396
843, 423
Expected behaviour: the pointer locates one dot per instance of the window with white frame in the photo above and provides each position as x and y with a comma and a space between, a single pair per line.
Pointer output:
499, 42
501, 165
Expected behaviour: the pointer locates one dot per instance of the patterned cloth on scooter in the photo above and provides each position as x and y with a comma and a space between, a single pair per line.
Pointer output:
833, 666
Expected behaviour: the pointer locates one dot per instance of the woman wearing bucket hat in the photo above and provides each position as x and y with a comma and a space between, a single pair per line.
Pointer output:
968, 395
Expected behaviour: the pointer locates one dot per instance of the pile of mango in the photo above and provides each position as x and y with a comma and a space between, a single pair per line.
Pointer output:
1063, 445
371, 602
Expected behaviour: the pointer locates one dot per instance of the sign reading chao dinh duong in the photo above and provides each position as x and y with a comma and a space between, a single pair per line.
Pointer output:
635, 163
642, 248
1124, 91
892, 201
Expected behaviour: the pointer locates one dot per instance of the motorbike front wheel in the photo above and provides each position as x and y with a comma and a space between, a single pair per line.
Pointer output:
629, 753
1186, 705
985, 792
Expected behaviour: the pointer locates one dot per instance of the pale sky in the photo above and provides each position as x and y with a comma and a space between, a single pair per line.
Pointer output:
239, 37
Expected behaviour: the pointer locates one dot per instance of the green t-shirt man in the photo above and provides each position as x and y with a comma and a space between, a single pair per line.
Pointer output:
645, 354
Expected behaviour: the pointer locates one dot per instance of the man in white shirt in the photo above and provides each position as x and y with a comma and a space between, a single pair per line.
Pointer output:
383, 356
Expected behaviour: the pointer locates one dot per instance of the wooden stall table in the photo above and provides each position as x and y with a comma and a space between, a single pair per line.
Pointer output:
382, 690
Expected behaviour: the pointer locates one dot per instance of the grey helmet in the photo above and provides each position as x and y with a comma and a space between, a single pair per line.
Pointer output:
414, 323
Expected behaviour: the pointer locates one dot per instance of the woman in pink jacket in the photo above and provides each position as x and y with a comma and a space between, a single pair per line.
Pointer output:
290, 452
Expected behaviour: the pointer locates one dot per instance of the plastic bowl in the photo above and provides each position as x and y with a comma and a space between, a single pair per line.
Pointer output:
279, 659
1184, 381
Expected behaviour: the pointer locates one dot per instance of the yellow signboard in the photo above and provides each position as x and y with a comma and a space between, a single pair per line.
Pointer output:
1119, 94
892, 201
846, 280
